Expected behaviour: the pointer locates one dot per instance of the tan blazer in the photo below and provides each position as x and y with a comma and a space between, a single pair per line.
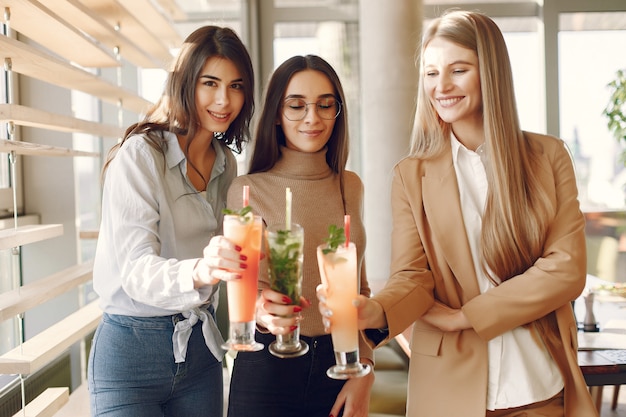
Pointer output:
431, 260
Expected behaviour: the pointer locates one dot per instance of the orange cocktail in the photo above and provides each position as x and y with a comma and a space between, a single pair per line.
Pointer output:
245, 231
339, 276
338, 270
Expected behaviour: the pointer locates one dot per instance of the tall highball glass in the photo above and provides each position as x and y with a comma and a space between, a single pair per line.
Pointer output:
339, 277
247, 232
285, 255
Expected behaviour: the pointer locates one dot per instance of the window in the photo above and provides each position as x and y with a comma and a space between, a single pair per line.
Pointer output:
589, 57
7, 201
524, 46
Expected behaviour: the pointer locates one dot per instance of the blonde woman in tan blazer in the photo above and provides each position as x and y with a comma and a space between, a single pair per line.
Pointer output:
488, 244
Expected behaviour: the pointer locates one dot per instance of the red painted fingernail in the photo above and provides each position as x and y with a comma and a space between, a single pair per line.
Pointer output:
292, 328
238, 248
297, 309
286, 299
243, 258
243, 266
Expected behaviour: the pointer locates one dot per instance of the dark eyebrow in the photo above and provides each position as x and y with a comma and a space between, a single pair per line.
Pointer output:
212, 77
328, 95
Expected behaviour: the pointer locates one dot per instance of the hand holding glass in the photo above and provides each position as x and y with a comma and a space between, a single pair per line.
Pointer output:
285, 257
339, 277
245, 231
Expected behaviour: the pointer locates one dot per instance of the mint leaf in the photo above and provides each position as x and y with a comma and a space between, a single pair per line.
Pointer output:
241, 212
285, 266
336, 237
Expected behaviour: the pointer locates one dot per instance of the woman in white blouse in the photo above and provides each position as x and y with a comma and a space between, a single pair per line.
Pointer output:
157, 350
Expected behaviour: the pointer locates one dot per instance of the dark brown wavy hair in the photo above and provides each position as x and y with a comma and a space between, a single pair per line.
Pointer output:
176, 111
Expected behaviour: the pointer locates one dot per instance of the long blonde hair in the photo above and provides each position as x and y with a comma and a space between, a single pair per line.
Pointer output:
518, 210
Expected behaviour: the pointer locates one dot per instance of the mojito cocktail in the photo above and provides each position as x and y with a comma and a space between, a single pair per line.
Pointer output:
285, 255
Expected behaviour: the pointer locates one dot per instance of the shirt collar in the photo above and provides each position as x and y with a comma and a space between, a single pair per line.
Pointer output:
458, 147
174, 154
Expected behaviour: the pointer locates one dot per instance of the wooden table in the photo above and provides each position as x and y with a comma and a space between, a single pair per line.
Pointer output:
602, 355
600, 368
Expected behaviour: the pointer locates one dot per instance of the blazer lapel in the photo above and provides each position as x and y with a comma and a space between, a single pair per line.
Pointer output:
442, 206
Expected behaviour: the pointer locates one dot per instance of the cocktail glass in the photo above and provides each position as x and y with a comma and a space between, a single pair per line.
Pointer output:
339, 277
285, 254
247, 232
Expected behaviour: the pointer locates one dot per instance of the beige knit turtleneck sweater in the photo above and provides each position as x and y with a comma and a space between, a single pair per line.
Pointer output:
316, 203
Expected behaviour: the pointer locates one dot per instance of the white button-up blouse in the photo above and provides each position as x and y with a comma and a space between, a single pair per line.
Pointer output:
154, 227
520, 370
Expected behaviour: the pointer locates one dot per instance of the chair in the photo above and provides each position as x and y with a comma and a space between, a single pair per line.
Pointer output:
602, 253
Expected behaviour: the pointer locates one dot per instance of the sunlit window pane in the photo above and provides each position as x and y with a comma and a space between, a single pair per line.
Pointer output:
525, 52
588, 61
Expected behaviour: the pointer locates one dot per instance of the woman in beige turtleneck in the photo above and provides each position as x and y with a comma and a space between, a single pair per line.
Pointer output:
301, 143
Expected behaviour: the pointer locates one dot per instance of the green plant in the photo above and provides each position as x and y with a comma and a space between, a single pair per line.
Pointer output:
245, 213
285, 266
615, 110
336, 237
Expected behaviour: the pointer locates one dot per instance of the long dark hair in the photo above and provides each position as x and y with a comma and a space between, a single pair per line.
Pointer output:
176, 111
270, 136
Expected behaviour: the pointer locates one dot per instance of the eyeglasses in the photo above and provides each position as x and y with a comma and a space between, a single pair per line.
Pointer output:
296, 109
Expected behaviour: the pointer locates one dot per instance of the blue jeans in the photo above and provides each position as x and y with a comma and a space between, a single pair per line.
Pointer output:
132, 372
263, 385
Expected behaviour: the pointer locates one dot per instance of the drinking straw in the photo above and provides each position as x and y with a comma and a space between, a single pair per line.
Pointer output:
246, 195
346, 226
287, 208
